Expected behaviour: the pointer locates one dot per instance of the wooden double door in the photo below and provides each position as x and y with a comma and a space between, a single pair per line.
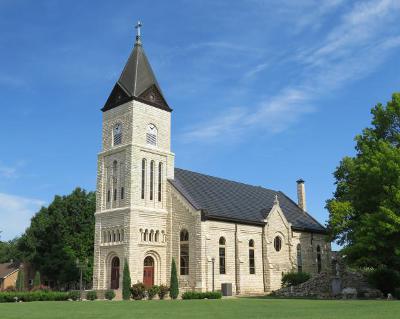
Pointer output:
115, 265
148, 272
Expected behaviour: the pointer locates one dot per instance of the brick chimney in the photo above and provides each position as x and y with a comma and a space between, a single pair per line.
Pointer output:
301, 194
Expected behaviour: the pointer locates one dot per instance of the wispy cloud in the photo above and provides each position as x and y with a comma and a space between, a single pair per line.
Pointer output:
17, 211
361, 41
10, 171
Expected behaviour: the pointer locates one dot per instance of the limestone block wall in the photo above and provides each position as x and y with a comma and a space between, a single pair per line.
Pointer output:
250, 283
278, 262
183, 216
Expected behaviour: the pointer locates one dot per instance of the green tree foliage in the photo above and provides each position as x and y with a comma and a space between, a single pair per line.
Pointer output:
126, 282
36, 280
59, 234
9, 251
20, 283
174, 287
364, 214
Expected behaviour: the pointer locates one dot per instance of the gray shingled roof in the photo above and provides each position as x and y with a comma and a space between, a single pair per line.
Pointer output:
228, 200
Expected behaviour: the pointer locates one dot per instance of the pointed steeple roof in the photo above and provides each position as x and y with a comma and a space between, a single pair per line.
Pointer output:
137, 82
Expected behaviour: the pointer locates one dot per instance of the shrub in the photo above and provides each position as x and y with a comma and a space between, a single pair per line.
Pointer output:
152, 291
294, 278
138, 291
74, 295
20, 284
174, 289
10, 289
41, 288
162, 291
28, 296
109, 294
201, 295
36, 280
126, 282
384, 279
91, 295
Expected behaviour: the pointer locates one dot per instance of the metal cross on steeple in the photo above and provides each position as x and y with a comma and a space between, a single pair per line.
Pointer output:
137, 27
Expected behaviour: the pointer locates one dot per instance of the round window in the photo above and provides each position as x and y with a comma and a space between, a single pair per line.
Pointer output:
277, 243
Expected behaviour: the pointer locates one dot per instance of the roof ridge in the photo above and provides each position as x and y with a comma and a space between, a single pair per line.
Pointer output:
227, 180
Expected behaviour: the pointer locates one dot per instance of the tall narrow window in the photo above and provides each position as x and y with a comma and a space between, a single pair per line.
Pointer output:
122, 193
222, 267
278, 243
143, 177
108, 196
252, 263
151, 180
117, 132
151, 135
184, 252
159, 181
299, 259
319, 261
115, 179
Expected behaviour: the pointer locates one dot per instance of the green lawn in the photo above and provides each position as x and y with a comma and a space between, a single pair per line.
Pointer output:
247, 308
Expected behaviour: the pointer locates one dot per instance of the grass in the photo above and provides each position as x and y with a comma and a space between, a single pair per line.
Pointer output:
204, 309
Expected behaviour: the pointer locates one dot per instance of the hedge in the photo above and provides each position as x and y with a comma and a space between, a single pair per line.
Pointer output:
294, 278
201, 295
33, 296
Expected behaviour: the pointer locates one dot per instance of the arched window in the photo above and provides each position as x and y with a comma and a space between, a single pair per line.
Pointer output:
115, 178
151, 180
109, 237
114, 236
141, 234
146, 232
159, 181
104, 237
122, 235
184, 252
319, 261
117, 132
143, 177
151, 236
151, 135
252, 262
108, 196
118, 235
157, 236
222, 252
299, 259
278, 243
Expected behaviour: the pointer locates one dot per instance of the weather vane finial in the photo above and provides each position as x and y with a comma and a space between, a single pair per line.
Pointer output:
137, 27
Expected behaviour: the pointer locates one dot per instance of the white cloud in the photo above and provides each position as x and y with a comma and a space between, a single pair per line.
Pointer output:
15, 214
7, 171
355, 47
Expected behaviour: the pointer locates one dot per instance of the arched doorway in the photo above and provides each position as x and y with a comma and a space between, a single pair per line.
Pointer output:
148, 272
115, 273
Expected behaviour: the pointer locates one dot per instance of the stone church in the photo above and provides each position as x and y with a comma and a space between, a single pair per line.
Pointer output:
150, 212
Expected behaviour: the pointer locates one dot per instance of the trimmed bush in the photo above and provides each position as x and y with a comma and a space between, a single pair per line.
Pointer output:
20, 284
201, 295
174, 289
28, 296
126, 282
36, 280
384, 279
138, 291
41, 288
152, 292
74, 295
109, 294
294, 278
162, 291
91, 295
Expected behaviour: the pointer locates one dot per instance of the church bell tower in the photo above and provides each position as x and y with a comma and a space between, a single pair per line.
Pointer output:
133, 168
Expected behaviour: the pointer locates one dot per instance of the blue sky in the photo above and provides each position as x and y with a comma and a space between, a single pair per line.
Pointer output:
263, 91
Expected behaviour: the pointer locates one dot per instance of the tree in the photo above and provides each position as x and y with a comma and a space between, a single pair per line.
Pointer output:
36, 281
59, 234
126, 282
364, 213
174, 289
20, 283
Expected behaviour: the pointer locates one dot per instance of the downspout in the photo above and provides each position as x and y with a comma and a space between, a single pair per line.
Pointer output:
237, 262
